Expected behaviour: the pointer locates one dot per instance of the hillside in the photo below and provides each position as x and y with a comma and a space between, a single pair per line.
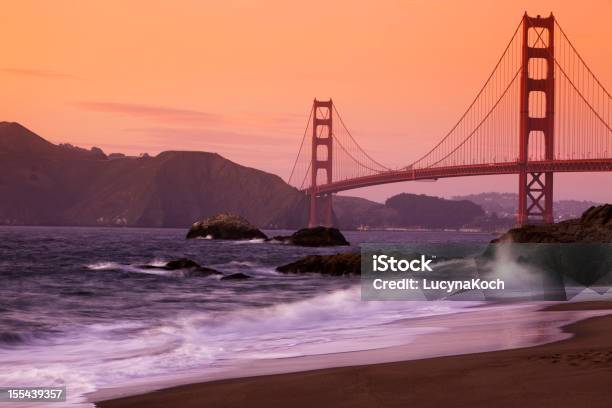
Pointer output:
351, 212
432, 212
407, 210
46, 184
506, 204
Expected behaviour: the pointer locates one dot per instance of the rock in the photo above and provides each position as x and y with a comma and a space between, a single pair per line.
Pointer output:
333, 265
594, 226
315, 237
192, 267
236, 276
551, 259
225, 226
182, 263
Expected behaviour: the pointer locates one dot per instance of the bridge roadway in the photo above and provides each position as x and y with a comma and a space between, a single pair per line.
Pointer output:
396, 176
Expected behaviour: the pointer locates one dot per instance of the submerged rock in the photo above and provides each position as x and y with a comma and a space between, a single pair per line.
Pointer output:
225, 226
192, 267
333, 265
236, 276
315, 237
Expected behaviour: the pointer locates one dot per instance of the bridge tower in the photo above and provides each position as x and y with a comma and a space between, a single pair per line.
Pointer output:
321, 159
536, 189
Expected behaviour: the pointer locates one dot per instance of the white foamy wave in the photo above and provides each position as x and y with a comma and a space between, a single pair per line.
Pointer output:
158, 262
113, 266
110, 355
267, 271
334, 322
101, 266
250, 241
241, 263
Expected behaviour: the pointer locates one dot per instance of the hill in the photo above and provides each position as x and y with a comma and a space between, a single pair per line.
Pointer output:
46, 184
351, 212
407, 210
505, 205
432, 212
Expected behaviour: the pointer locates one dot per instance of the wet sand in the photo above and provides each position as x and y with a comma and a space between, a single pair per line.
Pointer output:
576, 371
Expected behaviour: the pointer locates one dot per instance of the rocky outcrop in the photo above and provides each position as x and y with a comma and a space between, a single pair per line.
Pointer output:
333, 265
185, 264
594, 226
314, 237
225, 226
541, 255
236, 276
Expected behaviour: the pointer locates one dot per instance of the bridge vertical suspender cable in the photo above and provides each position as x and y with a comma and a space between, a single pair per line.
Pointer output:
564, 124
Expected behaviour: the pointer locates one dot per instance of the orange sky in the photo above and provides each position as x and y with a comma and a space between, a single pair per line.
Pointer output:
238, 77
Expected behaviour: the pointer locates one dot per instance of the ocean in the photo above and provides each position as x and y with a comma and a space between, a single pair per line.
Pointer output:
77, 307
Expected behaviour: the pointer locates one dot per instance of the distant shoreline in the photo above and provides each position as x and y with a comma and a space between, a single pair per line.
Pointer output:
391, 229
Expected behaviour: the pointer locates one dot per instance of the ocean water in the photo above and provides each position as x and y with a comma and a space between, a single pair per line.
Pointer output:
78, 309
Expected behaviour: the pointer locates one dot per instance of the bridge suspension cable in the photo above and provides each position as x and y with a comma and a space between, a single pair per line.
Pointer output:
289, 179
510, 49
487, 133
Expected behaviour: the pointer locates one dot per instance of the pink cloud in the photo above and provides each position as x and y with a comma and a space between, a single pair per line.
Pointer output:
159, 113
191, 117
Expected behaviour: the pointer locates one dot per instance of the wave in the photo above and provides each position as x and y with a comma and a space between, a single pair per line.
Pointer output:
250, 241
11, 338
337, 321
141, 268
241, 263
116, 354
101, 266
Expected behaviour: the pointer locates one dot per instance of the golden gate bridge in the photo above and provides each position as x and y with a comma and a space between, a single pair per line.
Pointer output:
541, 110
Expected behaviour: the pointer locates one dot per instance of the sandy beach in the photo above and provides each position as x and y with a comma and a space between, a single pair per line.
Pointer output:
575, 371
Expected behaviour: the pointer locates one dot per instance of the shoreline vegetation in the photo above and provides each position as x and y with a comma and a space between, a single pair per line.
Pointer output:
566, 373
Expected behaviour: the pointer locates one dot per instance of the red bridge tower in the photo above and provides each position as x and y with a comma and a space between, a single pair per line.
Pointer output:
536, 189
321, 159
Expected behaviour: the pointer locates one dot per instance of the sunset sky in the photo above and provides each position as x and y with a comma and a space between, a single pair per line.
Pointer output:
238, 77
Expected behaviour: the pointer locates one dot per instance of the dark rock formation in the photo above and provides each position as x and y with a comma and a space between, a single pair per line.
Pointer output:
225, 226
333, 265
595, 226
315, 237
236, 276
565, 256
185, 264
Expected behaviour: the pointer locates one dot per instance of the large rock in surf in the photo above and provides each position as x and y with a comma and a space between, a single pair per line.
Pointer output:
333, 265
315, 237
225, 226
191, 268
546, 257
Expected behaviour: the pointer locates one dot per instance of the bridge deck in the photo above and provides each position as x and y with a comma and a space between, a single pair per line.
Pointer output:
396, 176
